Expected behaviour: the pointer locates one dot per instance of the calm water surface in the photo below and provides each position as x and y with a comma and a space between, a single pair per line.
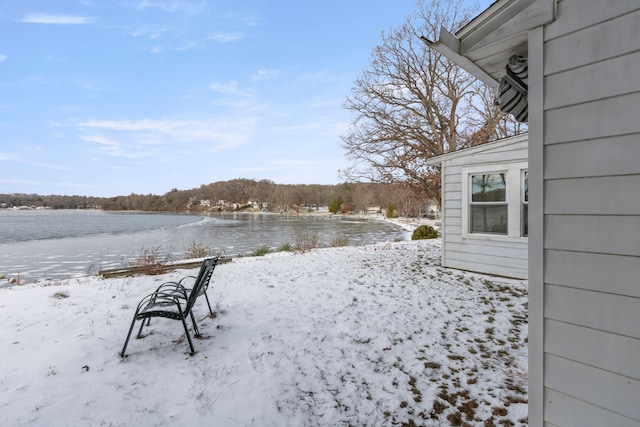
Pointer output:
62, 244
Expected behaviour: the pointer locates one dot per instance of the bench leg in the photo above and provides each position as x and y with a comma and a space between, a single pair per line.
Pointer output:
207, 298
128, 337
196, 332
186, 331
141, 326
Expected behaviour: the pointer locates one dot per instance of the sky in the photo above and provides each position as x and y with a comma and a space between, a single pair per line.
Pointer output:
107, 98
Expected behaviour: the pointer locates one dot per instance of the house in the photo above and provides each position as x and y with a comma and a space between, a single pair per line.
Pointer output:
574, 65
484, 207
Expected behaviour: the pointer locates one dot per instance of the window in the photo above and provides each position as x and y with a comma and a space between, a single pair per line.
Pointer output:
495, 201
489, 208
524, 212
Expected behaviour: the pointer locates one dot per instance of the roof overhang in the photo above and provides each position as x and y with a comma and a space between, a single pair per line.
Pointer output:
484, 45
438, 160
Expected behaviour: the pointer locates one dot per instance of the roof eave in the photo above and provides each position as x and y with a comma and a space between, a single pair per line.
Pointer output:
438, 160
499, 30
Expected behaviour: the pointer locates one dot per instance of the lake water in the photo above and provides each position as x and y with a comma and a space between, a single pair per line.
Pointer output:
63, 244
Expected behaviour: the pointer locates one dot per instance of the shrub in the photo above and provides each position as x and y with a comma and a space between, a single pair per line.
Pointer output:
285, 247
153, 260
391, 211
334, 206
197, 250
424, 232
346, 208
261, 250
305, 240
339, 241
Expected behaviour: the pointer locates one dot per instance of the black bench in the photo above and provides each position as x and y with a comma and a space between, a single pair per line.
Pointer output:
172, 300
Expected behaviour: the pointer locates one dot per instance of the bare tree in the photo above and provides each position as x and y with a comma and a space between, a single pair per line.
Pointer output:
363, 195
412, 103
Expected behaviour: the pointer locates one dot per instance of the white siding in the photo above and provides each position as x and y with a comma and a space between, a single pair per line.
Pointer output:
591, 215
483, 254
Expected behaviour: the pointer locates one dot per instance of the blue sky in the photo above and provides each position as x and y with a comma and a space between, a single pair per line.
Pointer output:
105, 98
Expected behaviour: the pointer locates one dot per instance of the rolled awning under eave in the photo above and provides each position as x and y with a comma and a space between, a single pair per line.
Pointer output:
513, 89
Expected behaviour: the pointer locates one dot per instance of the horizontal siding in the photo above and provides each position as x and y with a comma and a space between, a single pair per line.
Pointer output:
573, 16
587, 121
600, 388
592, 44
454, 186
576, 86
453, 204
615, 235
591, 268
452, 195
563, 410
619, 195
454, 229
598, 310
496, 270
452, 174
452, 212
600, 157
592, 347
506, 253
593, 271
484, 256
453, 220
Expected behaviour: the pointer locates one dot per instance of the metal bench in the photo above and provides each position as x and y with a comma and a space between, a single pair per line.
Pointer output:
172, 300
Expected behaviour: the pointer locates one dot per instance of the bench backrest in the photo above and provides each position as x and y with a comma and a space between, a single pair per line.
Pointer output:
202, 281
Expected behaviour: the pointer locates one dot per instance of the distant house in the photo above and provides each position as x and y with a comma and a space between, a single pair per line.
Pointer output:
484, 207
572, 69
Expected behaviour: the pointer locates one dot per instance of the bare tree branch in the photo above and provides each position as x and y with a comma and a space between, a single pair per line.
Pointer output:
412, 103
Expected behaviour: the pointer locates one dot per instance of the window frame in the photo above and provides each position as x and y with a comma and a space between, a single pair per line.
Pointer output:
514, 172
488, 204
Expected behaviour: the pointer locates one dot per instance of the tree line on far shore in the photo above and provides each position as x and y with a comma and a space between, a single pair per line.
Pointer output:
242, 194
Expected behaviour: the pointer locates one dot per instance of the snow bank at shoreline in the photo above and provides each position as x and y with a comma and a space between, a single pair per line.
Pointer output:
369, 335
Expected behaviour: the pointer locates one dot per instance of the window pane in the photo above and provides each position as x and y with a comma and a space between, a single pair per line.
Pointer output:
489, 187
525, 186
489, 219
525, 220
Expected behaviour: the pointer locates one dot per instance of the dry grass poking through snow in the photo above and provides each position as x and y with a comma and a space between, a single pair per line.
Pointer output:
427, 346
379, 335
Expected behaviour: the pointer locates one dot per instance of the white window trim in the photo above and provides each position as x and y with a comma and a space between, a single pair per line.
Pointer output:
513, 173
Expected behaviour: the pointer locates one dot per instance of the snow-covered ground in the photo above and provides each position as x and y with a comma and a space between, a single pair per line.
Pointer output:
376, 335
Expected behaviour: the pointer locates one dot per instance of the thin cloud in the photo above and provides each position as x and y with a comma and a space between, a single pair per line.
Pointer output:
265, 74
2, 58
43, 18
251, 21
226, 37
225, 88
318, 77
17, 159
156, 132
173, 6
149, 33
114, 148
91, 87
7, 157
231, 88
41, 183
100, 139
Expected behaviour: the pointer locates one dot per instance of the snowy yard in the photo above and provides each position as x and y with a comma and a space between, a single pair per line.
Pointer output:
377, 335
